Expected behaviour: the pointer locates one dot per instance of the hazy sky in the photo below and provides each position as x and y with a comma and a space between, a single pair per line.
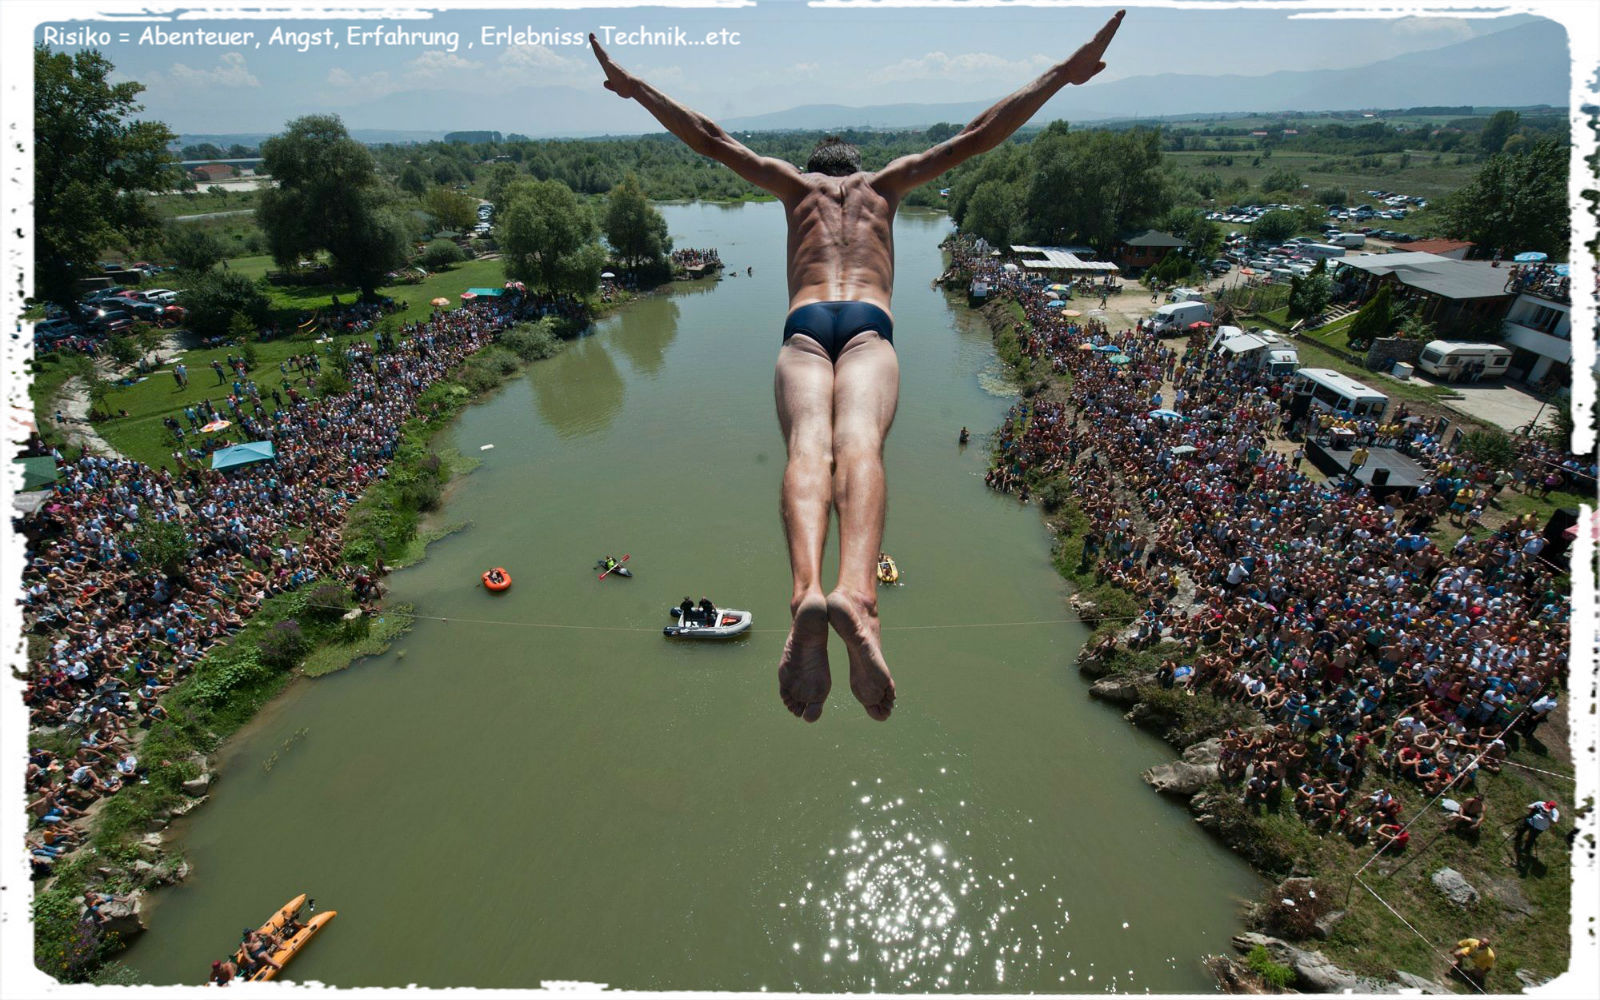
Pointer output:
787, 54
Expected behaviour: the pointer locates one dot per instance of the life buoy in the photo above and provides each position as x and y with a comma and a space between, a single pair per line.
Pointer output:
497, 579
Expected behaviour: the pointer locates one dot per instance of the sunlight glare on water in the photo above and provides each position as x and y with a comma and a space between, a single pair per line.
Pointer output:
906, 909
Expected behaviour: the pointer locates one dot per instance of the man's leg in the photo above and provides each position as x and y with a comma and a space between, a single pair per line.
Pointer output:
804, 386
866, 390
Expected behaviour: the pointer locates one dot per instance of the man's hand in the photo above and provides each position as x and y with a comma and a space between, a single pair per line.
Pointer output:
619, 82
1085, 62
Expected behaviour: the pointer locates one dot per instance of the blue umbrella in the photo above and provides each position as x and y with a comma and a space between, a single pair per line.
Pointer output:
1054, 304
1531, 257
1109, 349
1565, 270
1167, 414
1120, 359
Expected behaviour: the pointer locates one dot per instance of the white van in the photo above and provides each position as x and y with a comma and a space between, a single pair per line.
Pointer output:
1258, 351
1186, 295
1339, 394
1322, 250
1351, 240
1176, 316
1457, 359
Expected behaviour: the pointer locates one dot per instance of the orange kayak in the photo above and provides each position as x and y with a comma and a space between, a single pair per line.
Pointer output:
275, 923
292, 947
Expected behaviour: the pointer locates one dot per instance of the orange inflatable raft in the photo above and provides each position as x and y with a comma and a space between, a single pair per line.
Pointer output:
497, 579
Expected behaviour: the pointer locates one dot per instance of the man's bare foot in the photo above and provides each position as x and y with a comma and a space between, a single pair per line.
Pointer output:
803, 677
856, 621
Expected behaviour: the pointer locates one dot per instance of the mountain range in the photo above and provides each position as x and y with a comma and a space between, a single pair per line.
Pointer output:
1521, 66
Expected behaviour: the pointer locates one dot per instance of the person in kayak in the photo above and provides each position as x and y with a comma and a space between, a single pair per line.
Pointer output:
222, 972
837, 381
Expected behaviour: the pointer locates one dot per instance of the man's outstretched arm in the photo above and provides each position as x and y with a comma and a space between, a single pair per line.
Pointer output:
700, 133
991, 128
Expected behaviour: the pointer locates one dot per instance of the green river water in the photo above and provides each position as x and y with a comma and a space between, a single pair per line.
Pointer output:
497, 804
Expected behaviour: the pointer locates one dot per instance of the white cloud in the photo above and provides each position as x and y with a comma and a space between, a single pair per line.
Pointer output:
435, 63
360, 88
539, 64
964, 66
231, 71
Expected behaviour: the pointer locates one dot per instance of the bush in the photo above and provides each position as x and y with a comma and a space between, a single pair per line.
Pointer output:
1279, 977
532, 341
441, 254
283, 645
162, 545
1275, 227
1374, 320
1490, 446
327, 601
216, 296
123, 349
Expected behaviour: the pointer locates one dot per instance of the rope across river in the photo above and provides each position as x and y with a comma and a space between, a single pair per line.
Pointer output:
631, 628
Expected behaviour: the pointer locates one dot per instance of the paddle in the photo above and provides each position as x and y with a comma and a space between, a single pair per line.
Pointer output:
619, 563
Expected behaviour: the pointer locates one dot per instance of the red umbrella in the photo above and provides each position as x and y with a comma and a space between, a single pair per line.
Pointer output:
1198, 326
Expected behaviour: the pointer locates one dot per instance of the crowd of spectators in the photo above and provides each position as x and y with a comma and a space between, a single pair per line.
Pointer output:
118, 632
1540, 279
689, 257
1366, 649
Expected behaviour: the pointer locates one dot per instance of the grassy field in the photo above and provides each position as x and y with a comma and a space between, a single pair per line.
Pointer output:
1422, 176
169, 206
141, 436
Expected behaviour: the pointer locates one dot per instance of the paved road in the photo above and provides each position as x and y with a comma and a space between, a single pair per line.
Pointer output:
1506, 405
212, 215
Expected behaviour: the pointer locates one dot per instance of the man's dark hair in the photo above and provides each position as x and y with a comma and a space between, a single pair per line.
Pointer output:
834, 157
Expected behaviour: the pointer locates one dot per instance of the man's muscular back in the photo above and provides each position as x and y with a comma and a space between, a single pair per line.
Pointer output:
841, 241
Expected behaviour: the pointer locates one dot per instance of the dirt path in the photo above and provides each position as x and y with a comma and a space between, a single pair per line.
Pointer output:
72, 401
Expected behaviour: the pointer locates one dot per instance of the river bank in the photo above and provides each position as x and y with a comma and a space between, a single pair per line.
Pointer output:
317, 628
1355, 942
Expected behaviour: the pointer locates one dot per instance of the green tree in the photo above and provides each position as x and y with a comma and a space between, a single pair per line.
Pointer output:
1331, 196
1516, 202
215, 297
500, 177
1490, 446
941, 131
1088, 186
92, 165
412, 180
635, 230
1497, 130
548, 238
1275, 227
163, 545
327, 196
1280, 179
994, 212
440, 254
1309, 296
191, 248
1374, 319
455, 210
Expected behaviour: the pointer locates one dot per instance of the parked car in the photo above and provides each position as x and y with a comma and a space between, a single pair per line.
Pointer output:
1219, 267
165, 296
52, 330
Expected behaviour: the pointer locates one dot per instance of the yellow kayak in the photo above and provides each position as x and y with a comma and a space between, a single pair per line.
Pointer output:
275, 923
888, 572
297, 941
